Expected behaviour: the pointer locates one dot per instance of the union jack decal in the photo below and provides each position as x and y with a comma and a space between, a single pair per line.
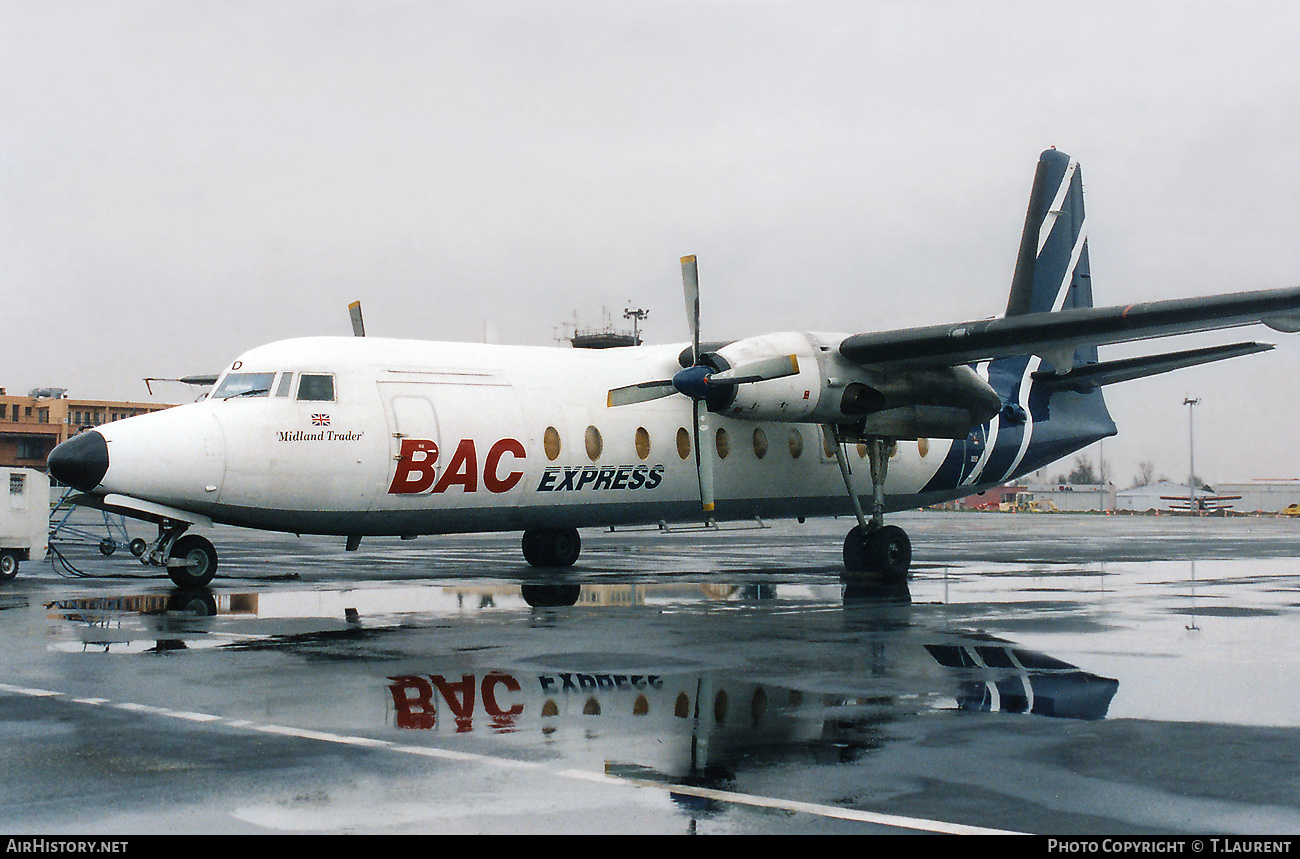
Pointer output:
319, 420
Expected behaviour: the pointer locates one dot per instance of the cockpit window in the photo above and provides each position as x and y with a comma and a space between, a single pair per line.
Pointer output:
316, 386
244, 385
282, 388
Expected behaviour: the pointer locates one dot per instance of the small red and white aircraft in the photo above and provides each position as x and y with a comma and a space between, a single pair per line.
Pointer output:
361, 436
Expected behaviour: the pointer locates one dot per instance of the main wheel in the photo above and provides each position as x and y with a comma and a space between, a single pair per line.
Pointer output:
547, 547
855, 550
889, 552
886, 551
200, 562
8, 565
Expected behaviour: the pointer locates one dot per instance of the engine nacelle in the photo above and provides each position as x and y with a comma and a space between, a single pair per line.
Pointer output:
790, 398
923, 402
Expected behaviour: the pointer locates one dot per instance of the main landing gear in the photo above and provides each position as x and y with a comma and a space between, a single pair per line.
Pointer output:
555, 548
552, 547
872, 547
190, 560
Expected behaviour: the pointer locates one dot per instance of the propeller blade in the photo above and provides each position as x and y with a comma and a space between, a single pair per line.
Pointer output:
640, 393
704, 459
758, 371
358, 325
691, 285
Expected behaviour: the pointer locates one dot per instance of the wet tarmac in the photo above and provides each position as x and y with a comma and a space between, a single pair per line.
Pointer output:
1049, 674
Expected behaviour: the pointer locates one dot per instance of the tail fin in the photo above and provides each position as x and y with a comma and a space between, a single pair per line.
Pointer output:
1052, 267
1040, 424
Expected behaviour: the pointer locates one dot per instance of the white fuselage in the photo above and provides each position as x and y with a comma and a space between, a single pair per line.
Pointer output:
412, 437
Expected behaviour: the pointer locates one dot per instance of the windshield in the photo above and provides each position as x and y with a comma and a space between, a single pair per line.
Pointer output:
244, 385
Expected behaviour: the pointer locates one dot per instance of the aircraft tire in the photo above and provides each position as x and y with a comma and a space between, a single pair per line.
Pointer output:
855, 551
547, 547
8, 565
201, 560
886, 552
889, 552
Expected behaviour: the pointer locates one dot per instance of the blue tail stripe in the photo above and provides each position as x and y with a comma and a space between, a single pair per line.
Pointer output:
1052, 273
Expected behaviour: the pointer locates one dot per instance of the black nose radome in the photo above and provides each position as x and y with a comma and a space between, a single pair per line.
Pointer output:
81, 461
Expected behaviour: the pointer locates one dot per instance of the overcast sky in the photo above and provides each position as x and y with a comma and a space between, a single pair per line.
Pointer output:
181, 181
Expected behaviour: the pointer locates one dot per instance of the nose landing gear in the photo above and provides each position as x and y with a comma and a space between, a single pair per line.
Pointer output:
190, 560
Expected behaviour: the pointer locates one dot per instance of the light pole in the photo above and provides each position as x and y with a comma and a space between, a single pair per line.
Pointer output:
1191, 453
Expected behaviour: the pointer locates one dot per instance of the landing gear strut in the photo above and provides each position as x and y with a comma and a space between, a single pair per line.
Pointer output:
190, 560
872, 546
552, 547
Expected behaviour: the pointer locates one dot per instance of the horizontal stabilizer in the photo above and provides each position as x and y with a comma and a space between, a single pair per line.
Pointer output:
1053, 334
1093, 376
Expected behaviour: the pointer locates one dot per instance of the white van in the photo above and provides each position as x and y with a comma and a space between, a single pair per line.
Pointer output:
24, 518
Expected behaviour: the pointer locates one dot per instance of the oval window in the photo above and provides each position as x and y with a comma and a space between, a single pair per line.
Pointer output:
595, 445
551, 443
642, 442
796, 444
683, 443
724, 443
923, 446
760, 442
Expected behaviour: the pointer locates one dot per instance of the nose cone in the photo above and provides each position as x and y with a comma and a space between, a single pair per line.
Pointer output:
81, 462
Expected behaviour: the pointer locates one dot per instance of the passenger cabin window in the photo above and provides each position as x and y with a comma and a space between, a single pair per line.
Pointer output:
316, 387
282, 389
244, 385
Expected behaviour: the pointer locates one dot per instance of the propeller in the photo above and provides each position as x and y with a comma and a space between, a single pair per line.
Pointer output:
695, 381
696, 377
700, 381
358, 324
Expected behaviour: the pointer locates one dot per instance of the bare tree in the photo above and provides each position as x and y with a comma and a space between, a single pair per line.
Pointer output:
1146, 473
1083, 473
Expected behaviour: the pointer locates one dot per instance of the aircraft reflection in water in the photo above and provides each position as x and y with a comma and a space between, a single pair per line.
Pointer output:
734, 713
637, 715
654, 718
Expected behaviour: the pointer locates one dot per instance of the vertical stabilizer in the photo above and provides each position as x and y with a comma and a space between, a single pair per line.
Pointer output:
1038, 425
1052, 266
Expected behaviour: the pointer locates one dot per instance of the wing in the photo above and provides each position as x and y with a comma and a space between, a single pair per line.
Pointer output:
1055, 337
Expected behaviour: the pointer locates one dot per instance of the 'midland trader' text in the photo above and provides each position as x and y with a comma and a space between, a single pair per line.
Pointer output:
323, 435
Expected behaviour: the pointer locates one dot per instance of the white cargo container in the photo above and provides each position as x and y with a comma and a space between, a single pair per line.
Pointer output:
24, 518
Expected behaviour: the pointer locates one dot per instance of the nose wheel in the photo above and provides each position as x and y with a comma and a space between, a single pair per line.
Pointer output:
190, 560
